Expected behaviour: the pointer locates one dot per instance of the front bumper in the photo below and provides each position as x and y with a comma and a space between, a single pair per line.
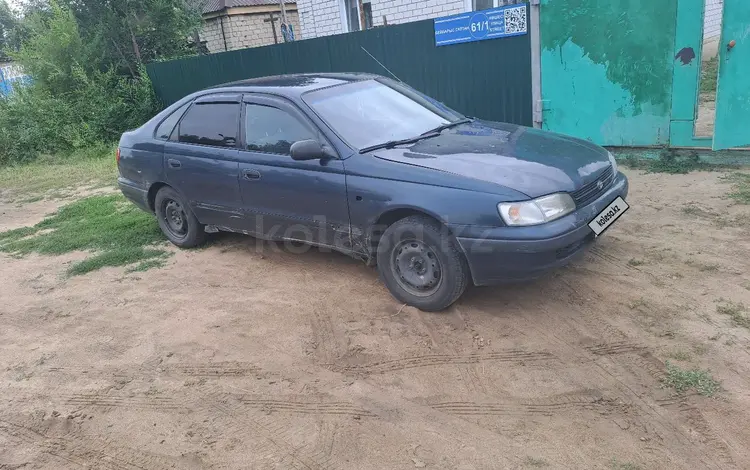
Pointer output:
509, 254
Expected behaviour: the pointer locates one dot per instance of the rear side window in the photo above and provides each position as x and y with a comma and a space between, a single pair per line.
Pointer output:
167, 126
272, 130
214, 124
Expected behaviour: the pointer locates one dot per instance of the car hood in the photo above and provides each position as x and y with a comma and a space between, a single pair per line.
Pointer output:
524, 159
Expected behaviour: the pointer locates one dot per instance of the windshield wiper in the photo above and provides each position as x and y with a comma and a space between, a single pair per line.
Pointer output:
440, 129
393, 143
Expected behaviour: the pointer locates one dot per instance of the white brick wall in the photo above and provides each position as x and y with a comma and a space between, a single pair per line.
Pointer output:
712, 20
243, 31
404, 11
324, 17
320, 18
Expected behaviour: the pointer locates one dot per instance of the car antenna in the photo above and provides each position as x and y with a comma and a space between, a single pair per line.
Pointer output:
381, 64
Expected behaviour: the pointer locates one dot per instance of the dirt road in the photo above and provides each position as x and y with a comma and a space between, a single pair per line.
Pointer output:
244, 356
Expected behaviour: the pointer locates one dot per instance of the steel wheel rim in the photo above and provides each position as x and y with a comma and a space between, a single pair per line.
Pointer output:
175, 218
416, 267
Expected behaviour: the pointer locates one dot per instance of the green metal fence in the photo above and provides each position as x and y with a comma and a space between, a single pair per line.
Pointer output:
487, 79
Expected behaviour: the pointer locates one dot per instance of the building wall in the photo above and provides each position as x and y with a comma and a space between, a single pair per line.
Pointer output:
712, 28
326, 17
320, 18
712, 20
245, 30
401, 11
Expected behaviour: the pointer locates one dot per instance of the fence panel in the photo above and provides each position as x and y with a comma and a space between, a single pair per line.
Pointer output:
486, 79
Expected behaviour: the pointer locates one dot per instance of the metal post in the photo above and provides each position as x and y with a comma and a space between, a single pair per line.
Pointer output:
283, 14
536, 65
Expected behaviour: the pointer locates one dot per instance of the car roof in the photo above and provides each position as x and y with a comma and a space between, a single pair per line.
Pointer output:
293, 85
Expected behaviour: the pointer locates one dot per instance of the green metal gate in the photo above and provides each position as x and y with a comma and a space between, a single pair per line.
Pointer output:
733, 98
487, 79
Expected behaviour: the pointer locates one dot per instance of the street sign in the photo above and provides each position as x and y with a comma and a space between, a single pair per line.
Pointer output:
481, 25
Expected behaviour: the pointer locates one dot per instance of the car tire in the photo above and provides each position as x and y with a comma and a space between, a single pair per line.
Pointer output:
176, 220
421, 264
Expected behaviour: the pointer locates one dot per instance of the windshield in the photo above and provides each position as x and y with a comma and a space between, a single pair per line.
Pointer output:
369, 112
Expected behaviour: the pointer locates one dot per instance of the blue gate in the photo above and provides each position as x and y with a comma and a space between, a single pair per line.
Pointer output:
11, 76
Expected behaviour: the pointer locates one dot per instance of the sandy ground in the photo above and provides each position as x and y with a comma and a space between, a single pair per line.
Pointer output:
706, 119
242, 355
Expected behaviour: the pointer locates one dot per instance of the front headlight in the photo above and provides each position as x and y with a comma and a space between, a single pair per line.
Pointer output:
613, 162
538, 211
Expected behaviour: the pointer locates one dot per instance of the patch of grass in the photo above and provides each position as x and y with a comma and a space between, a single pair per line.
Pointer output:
683, 380
638, 304
736, 311
54, 173
635, 262
534, 462
31, 199
740, 187
702, 267
709, 77
117, 232
695, 211
670, 161
148, 264
680, 355
617, 465
700, 349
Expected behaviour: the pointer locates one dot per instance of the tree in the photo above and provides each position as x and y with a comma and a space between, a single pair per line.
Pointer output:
127, 33
8, 24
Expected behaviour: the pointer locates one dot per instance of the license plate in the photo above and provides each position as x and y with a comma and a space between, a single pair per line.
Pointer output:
607, 217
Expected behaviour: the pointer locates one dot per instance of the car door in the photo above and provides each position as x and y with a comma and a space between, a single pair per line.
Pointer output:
201, 159
283, 198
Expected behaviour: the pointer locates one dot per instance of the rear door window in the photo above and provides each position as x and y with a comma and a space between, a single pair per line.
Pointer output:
214, 124
271, 130
167, 126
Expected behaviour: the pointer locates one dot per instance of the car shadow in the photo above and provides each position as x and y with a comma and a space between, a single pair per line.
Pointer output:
288, 251
492, 299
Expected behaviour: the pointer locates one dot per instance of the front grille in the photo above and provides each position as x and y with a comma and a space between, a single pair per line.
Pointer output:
593, 190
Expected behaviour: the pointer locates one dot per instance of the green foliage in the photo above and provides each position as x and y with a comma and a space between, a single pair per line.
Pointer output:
683, 380
59, 176
8, 24
86, 58
709, 78
128, 33
737, 312
615, 464
671, 161
117, 232
740, 187
72, 104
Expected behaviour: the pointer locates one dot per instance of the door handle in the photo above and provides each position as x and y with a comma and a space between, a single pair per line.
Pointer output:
174, 163
251, 174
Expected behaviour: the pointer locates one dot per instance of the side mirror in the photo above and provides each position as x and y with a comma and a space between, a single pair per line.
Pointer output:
308, 150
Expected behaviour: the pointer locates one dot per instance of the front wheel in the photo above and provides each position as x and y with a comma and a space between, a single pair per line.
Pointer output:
176, 220
421, 264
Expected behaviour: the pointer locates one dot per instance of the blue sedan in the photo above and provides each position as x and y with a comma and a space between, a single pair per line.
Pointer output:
370, 167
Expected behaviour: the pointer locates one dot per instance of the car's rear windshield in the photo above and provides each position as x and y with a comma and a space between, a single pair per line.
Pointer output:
371, 112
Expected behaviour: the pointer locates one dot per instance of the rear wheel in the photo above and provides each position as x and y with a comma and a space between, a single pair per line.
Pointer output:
176, 220
421, 264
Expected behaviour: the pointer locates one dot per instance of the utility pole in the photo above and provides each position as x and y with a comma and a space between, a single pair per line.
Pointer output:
283, 13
